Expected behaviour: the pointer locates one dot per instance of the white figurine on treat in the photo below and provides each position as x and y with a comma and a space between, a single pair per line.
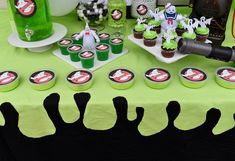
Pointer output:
170, 18
140, 20
203, 21
156, 14
168, 35
190, 26
89, 37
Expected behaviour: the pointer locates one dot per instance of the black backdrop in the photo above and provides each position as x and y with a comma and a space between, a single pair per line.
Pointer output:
123, 142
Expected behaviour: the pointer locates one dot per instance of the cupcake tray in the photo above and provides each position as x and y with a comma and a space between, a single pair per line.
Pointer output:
156, 50
97, 64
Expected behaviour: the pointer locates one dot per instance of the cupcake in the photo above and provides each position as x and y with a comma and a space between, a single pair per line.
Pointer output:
9, 80
225, 77
188, 35
80, 80
116, 45
139, 31
74, 51
121, 78
75, 39
104, 38
150, 38
64, 44
157, 78
102, 52
193, 77
169, 48
180, 29
173, 34
87, 59
156, 25
42, 80
202, 33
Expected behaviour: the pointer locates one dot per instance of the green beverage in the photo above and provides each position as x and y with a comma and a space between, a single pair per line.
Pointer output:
32, 19
117, 13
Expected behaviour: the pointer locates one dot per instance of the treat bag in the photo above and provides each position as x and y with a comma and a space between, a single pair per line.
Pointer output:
32, 19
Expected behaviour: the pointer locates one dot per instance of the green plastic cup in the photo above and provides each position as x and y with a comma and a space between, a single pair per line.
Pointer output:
116, 45
74, 51
75, 40
87, 59
104, 38
64, 44
102, 52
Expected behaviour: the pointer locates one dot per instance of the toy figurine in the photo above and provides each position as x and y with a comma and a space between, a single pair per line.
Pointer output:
170, 18
156, 22
89, 37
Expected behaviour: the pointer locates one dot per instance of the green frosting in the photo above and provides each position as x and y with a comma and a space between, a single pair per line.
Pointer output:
170, 46
188, 35
154, 23
150, 34
180, 26
173, 33
203, 30
139, 28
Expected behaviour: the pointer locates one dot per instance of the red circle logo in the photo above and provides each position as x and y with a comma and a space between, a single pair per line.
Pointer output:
121, 76
228, 75
142, 9
194, 75
158, 75
80, 78
117, 15
42, 77
25, 7
6, 78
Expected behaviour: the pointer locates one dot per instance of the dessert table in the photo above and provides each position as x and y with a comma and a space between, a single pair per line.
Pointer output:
100, 113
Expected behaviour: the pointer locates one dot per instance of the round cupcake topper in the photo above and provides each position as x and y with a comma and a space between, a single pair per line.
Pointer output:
102, 47
41, 77
79, 77
104, 35
158, 75
75, 48
121, 75
65, 42
227, 74
117, 14
7, 77
87, 54
193, 74
116, 41
142, 9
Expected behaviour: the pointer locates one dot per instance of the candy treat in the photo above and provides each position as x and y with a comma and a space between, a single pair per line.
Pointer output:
64, 44
150, 37
190, 26
80, 80
76, 40
9, 80
116, 45
139, 28
102, 52
225, 77
42, 80
74, 51
188, 35
104, 38
203, 31
121, 78
193, 77
87, 59
169, 48
180, 29
156, 25
94, 12
157, 78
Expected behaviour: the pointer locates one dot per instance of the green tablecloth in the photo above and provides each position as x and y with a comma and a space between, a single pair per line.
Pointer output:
100, 113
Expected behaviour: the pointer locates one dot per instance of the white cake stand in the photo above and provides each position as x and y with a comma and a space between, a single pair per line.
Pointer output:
39, 46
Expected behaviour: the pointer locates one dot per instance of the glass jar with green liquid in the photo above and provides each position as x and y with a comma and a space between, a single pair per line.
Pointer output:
117, 13
32, 19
